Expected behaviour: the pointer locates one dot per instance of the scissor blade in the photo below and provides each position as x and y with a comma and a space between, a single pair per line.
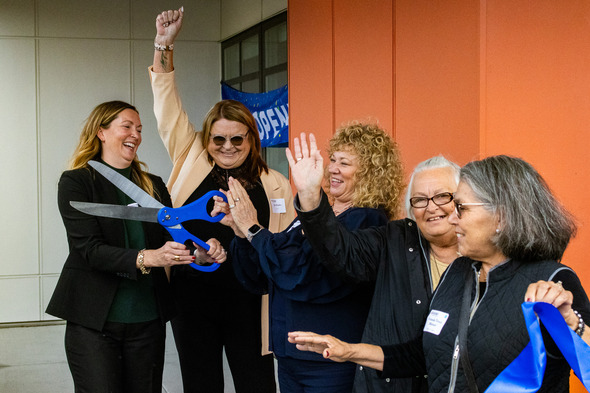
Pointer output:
149, 214
127, 186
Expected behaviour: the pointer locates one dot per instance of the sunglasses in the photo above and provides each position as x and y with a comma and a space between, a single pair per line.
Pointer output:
439, 200
235, 140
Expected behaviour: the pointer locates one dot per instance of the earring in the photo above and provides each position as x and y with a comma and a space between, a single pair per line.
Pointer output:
497, 230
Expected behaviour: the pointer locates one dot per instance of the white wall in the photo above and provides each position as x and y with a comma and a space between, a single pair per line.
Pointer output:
60, 59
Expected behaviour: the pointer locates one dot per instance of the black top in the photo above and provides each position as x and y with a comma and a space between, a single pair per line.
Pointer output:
98, 257
223, 279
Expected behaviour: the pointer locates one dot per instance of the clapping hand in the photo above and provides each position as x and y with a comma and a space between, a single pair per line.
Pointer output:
307, 171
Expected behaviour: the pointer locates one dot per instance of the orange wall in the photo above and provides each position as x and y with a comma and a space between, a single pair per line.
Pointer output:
464, 78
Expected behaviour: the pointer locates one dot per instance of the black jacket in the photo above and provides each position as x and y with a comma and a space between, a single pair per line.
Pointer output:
97, 258
496, 331
395, 256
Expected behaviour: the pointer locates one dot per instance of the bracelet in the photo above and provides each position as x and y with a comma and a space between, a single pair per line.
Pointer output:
581, 325
144, 270
163, 47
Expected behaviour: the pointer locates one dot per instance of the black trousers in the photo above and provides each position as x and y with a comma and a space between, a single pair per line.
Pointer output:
122, 358
204, 326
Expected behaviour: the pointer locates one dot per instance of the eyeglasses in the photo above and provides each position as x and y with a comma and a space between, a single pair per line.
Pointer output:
459, 206
439, 200
235, 140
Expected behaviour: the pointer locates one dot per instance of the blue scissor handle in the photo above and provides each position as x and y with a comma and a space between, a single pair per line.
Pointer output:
171, 219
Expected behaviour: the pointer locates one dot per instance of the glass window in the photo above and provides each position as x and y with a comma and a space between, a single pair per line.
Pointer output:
250, 55
231, 64
275, 45
256, 61
276, 80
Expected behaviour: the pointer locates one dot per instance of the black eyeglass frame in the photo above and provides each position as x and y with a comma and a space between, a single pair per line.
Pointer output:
421, 199
235, 140
459, 206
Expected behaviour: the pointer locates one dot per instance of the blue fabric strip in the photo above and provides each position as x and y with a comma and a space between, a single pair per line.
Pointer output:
525, 373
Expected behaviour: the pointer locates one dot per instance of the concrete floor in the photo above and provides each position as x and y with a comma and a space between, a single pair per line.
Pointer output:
33, 360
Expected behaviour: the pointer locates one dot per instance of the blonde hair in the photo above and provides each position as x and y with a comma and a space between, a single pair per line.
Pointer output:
89, 147
379, 178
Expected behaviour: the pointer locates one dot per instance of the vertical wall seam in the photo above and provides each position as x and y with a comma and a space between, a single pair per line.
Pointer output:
38, 158
483, 78
333, 67
393, 72
131, 48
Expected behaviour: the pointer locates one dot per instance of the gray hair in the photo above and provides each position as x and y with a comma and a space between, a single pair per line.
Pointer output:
432, 163
534, 225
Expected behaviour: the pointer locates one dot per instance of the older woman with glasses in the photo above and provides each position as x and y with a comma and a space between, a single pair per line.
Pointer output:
215, 312
406, 257
512, 232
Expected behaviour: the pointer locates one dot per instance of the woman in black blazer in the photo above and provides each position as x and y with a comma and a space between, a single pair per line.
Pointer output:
113, 290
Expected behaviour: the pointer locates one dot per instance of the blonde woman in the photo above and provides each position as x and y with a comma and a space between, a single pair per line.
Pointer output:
364, 179
113, 290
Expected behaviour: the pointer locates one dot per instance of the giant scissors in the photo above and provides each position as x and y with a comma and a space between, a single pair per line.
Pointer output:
151, 210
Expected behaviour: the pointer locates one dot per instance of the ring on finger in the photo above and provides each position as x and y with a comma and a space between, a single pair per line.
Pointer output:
560, 284
176, 258
237, 199
232, 206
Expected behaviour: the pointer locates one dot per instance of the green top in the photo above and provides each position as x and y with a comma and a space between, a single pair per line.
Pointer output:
135, 300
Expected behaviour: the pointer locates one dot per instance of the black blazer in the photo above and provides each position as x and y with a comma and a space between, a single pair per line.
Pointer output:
97, 258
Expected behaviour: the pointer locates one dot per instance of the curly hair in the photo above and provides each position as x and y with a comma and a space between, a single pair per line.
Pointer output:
380, 176
535, 225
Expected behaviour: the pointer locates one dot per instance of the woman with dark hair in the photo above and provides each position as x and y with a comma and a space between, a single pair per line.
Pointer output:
511, 233
215, 312
113, 290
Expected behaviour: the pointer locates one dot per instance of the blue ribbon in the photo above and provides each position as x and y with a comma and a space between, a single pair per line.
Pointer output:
525, 373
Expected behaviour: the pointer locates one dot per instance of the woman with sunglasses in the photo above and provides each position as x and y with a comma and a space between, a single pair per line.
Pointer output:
406, 257
512, 233
215, 312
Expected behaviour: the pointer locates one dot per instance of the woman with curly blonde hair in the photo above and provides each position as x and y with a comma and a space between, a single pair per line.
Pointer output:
364, 180
379, 179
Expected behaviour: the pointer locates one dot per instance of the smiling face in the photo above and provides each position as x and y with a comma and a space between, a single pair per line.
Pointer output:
433, 220
229, 156
476, 228
120, 141
342, 167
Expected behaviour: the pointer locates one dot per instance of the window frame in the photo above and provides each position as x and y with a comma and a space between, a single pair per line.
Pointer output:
262, 72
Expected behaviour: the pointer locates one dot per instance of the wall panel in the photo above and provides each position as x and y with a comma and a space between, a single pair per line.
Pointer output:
19, 250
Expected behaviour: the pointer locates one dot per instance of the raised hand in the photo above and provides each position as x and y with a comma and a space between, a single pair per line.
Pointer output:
555, 294
307, 170
168, 24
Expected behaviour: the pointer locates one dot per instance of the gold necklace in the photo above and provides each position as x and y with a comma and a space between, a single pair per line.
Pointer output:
345, 208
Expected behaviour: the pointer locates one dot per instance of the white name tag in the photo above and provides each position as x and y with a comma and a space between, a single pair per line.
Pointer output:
278, 205
435, 322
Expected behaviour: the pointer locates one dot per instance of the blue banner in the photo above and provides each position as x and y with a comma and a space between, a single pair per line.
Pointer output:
271, 111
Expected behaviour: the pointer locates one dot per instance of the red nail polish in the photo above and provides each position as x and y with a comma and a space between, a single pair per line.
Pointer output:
327, 354
528, 299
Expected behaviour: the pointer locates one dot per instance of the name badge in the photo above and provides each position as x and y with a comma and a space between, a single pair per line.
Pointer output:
435, 322
278, 205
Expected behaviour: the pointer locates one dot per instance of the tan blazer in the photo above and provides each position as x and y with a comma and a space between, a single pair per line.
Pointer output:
191, 167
